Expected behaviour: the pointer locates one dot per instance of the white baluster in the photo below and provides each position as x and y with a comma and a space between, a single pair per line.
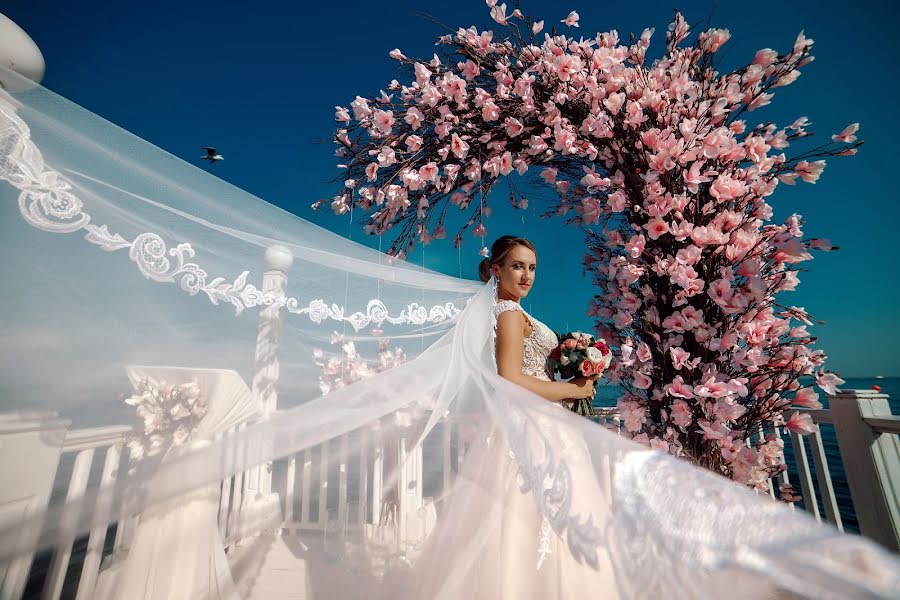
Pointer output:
322, 518
806, 484
823, 475
94, 553
363, 477
289, 493
68, 524
305, 487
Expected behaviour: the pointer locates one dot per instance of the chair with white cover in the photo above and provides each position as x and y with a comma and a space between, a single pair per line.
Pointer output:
177, 549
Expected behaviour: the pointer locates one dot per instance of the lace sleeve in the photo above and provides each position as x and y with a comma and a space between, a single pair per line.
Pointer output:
503, 306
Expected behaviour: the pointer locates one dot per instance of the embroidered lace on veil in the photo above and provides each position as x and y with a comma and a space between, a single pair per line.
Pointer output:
122, 262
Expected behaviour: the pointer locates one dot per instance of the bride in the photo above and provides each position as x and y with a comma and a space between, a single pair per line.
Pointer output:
546, 514
118, 254
518, 554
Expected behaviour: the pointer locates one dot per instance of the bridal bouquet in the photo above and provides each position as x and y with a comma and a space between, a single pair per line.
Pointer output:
580, 355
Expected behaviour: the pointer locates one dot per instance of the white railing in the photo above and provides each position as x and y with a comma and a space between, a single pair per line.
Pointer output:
866, 433
83, 445
865, 429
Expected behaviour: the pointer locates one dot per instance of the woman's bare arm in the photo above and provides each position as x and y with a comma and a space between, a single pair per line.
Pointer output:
510, 354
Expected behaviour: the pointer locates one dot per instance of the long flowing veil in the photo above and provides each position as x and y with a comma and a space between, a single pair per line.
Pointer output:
283, 387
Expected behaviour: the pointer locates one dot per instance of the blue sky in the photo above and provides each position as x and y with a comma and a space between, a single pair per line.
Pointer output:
260, 81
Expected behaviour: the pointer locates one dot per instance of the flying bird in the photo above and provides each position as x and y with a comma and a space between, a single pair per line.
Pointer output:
211, 155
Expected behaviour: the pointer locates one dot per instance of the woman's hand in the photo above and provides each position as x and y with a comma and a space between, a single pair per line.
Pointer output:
583, 387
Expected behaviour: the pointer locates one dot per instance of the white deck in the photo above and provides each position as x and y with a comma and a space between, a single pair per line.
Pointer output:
294, 568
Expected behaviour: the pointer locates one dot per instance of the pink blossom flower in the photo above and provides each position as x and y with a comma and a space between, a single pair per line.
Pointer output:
635, 246
681, 414
848, 135
828, 382
614, 102
765, 57
386, 157
372, 171
810, 172
341, 114
590, 210
635, 115
506, 163
721, 292
490, 111
537, 27
414, 117
429, 172
617, 201
807, 397
498, 13
458, 147
470, 70
396, 54
641, 381
642, 439
660, 445
801, 423
689, 255
513, 126
725, 188
360, 108
384, 121
564, 140
714, 39
633, 416
711, 388
571, 20
413, 142
655, 228
565, 65
679, 357
693, 178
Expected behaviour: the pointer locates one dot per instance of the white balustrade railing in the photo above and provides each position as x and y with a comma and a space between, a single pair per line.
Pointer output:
84, 444
866, 432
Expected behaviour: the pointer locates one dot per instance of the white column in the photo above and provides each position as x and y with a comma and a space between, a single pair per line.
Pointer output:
268, 339
259, 506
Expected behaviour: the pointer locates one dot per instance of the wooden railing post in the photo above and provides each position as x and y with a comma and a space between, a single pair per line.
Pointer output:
872, 463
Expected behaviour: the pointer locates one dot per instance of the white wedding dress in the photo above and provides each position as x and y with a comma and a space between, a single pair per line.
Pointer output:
547, 517
523, 553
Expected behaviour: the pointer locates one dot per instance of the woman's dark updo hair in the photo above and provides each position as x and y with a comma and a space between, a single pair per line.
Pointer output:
499, 249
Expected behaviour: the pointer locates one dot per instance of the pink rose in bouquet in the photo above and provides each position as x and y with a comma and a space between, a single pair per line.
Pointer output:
580, 355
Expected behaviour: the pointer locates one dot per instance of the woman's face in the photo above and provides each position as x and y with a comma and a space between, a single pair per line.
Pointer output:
515, 276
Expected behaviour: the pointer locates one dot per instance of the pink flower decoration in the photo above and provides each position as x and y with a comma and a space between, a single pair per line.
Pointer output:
801, 423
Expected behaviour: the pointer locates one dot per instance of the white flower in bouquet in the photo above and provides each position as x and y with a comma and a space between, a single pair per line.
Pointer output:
594, 355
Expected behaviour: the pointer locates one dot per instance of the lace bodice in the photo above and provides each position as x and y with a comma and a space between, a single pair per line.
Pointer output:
538, 345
